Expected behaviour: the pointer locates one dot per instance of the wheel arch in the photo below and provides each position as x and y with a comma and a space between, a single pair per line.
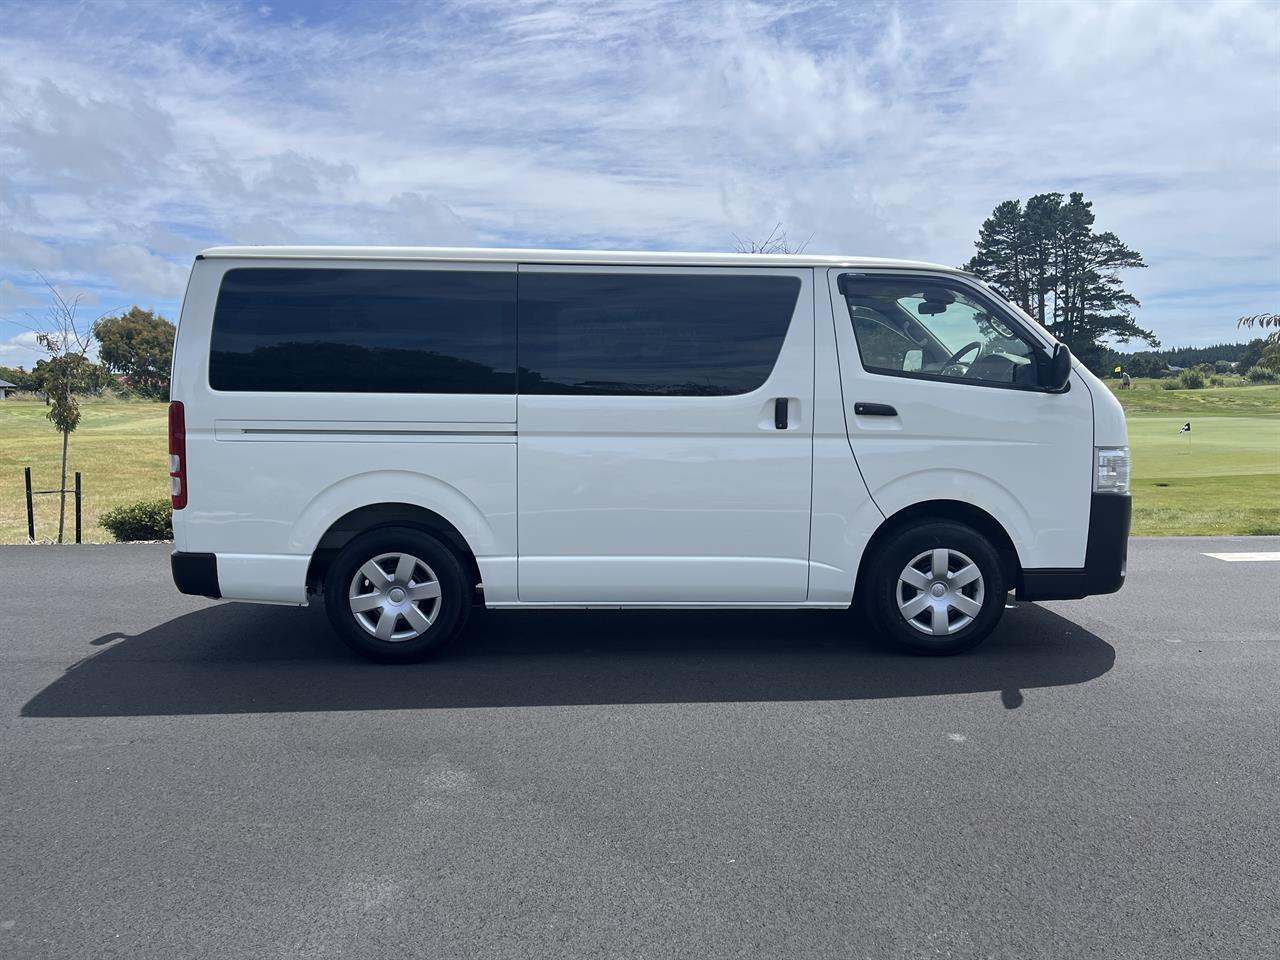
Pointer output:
364, 501
957, 511
375, 516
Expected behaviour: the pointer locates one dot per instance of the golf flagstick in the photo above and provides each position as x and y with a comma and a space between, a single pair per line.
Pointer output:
1186, 428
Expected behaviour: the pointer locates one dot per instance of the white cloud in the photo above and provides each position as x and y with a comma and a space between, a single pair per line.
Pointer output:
25, 251
21, 350
291, 173
134, 135
13, 297
135, 268
88, 141
167, 241
259, 229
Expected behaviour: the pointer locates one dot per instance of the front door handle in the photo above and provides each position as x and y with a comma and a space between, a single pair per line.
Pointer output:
874, 410
780, 406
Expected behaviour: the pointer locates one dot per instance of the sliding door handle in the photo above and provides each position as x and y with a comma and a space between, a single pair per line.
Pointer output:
780, 413
874, 410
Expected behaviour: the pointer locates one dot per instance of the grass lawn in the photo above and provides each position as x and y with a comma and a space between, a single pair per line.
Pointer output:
1225, 481
121, 450
1149, 397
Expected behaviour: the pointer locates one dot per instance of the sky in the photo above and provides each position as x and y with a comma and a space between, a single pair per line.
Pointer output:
132, 135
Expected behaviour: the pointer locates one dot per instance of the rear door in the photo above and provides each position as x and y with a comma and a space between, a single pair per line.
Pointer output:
665, 434
321, 386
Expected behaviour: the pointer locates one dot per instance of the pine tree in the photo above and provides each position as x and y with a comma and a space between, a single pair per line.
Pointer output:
1002, 252
1046, 257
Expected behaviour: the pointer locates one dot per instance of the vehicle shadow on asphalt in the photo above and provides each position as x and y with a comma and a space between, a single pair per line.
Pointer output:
247, 658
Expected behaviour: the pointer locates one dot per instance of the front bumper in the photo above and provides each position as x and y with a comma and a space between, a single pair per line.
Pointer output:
195, 573
1105, 556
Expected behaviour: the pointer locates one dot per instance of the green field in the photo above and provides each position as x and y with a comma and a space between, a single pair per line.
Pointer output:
120, 449
1224, 480
1150, 397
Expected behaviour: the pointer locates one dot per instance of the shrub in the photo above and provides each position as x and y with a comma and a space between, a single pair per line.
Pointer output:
146, 520
1215, 381
1260, 375
1172, 384
1192, 379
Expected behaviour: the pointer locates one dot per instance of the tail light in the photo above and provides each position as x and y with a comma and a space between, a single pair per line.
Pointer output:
177, 455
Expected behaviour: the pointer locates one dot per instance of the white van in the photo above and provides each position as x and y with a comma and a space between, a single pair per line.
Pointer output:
405, 430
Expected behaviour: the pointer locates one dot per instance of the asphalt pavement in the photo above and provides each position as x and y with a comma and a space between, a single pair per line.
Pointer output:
185, 778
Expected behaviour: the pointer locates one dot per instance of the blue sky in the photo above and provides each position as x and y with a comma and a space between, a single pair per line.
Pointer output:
133, 135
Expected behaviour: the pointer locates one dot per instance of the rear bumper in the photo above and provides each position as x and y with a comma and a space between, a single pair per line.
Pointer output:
195, 573
1104, 559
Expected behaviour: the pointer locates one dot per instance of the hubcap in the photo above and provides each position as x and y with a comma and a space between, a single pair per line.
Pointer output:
940, 592
395, 597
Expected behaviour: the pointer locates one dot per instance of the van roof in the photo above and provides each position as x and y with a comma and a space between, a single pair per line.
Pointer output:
584, 257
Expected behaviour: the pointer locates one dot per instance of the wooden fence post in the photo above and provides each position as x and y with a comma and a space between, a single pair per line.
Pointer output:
77, 506
31, 516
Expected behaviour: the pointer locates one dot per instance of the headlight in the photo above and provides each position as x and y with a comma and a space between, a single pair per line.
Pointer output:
1111, 473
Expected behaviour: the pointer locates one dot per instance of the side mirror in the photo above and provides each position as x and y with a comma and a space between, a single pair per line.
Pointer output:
1057, 372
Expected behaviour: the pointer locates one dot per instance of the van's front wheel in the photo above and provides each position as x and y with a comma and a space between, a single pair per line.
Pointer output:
396, 594
937, 588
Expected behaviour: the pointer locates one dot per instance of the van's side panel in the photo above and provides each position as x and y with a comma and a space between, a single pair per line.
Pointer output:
670, 499
268, 472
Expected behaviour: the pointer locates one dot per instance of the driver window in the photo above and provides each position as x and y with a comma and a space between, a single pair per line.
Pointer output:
934, 329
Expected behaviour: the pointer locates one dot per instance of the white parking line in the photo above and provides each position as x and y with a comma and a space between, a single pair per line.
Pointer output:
1238, 557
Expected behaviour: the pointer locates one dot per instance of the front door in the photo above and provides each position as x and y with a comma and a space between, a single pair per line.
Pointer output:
942, 403
664, 434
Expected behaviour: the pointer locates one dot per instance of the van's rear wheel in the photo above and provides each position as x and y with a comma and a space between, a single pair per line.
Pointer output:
396, 594
937, 588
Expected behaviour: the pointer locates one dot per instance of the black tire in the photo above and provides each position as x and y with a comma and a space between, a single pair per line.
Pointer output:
442, 567
881, 590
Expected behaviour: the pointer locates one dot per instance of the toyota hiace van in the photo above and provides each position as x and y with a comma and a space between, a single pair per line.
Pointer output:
407, 432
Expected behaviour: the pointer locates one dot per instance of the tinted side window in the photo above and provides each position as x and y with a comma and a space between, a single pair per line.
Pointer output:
651, 334
364, 331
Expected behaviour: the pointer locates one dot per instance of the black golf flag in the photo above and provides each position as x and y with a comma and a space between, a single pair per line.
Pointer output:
1186, 427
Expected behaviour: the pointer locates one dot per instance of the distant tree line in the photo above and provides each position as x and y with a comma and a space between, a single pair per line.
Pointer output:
90, 378
1223, 357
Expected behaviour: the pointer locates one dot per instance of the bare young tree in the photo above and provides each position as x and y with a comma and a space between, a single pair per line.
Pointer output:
67, 341
775, 242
